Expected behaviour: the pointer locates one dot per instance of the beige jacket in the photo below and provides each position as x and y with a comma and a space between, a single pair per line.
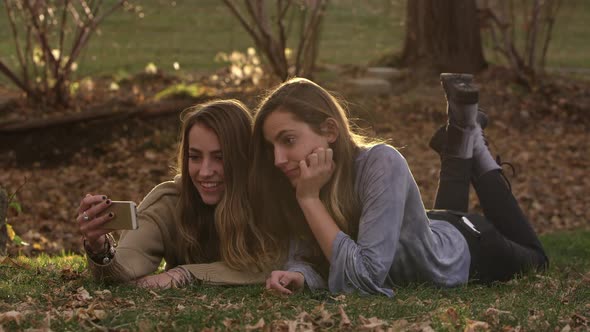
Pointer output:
140, 251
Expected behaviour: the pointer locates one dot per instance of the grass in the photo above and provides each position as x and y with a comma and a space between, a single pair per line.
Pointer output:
55, 287
193, 32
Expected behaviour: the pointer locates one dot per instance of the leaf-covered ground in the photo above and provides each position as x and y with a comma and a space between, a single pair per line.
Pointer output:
543, 133
57, 294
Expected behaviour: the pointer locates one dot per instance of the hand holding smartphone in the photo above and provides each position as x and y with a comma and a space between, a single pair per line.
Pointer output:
125, 215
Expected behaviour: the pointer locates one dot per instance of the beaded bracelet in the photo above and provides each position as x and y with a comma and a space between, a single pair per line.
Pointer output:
107, 254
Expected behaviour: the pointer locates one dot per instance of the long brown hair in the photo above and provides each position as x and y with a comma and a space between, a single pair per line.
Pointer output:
272, 196
224, 231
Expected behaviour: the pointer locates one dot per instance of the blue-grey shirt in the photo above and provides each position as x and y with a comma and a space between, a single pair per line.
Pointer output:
396, 242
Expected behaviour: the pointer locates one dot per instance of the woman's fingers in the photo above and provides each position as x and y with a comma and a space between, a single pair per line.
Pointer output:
91, 218
94, 227
330, 156
320, 158
313, 160
89, 201
161, 280
323, 156
278, 281
96, 210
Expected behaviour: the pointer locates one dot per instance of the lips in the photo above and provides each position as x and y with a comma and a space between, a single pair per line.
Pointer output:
210, 186
291, 172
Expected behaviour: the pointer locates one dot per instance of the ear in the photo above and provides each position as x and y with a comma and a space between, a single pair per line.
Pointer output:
329, 129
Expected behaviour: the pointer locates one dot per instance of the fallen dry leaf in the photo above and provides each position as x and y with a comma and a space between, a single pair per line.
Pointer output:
82, 295
90, 314
338, 298
370, 323
103, 294
450, 318
474, 325
323, 318
579, 320
11, 316
228, 322
156, 295
70, 274
493, 315
344, 320
257, 326
399, 325
10, 262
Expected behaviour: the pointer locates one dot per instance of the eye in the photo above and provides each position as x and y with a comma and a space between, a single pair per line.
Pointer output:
218, 157
288, 140
194, 157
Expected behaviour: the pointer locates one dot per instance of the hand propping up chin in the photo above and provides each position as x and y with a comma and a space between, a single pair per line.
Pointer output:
315, 171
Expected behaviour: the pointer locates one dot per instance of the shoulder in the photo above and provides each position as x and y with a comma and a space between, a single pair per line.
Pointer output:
380, 165
163, 193
380, 156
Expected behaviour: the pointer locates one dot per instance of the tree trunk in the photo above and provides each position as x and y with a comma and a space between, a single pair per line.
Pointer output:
444, 35
3, 212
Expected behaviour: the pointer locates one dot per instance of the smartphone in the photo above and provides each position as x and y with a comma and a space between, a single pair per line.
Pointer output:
125, 215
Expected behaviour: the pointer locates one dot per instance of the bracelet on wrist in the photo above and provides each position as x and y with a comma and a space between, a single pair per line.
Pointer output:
105, 255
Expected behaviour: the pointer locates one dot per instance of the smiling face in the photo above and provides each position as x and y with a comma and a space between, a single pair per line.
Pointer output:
292, 141
205, 163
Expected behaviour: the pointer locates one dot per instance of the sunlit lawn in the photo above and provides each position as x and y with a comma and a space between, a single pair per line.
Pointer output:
193, 32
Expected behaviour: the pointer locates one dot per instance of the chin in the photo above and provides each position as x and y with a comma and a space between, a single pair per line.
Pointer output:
211, 201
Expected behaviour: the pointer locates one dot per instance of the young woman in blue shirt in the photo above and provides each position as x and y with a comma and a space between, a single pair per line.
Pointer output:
349, 215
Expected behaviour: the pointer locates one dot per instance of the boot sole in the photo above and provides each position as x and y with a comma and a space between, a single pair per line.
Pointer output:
460, 88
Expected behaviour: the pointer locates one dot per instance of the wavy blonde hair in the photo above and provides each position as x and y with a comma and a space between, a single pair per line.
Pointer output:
271, 195
226, 230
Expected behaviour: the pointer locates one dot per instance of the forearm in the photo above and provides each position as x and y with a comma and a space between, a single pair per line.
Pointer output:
320, 222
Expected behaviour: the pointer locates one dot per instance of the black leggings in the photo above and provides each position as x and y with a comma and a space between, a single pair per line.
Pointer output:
504, 243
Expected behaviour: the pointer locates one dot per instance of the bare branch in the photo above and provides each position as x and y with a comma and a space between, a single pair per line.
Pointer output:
307, 38
301, 41
282, 12
29, 54
89, 13
19, 54
84, 37
8, 73
41, 35
270, 37
533, 30
276, 52
76, 17
242, 19
62, 29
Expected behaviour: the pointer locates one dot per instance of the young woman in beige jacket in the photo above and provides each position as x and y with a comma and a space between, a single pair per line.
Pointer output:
200, 223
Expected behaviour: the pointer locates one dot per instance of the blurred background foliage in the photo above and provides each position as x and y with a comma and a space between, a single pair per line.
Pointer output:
191, 33
186, 36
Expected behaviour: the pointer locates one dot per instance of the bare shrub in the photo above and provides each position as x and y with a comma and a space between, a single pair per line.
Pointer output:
49, 35
520, 32
269, 24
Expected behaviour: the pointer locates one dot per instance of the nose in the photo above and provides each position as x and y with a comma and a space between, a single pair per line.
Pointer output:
280, 158
206, 168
